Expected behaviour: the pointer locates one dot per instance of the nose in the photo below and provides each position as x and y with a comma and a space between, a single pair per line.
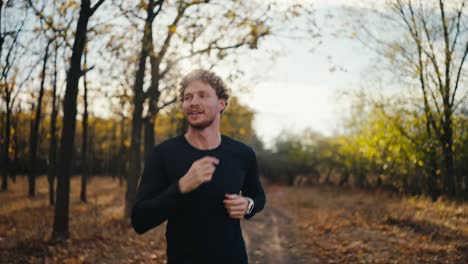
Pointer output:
195, 100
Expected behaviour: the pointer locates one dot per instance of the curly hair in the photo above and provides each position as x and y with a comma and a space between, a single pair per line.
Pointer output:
208, 77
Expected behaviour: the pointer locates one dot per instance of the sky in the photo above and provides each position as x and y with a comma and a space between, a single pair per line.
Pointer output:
300, 89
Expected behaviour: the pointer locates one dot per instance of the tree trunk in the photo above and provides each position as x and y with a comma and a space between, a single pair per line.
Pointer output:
52, 165
2, 140
134, 170
84, 146
17, 146
90, 169
34, 141
447, 144
466, 188
432, 179
149, 136
135, 167
123, 156
61, 227
6, 158
16, 142
114, 161
154, 95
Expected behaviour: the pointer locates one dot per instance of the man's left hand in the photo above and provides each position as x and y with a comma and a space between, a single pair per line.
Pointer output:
236, 205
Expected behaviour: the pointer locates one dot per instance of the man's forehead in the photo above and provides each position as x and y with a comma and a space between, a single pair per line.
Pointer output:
197, 86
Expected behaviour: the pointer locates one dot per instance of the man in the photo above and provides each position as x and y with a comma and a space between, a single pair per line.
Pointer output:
202, 182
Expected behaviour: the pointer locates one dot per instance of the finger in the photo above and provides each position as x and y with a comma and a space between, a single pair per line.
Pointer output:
232, 196
230, 202
235, 210
236, 202
236, 207
206, 165
207, 176
210, 160
237, 216
207, 171
236, 213
209, 166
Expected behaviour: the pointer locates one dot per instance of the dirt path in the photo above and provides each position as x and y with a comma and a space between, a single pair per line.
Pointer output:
271, 237
274, 236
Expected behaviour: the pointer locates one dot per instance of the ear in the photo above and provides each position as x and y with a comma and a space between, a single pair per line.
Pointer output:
222, 105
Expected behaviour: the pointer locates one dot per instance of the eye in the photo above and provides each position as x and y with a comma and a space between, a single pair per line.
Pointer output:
203, 95
187, 97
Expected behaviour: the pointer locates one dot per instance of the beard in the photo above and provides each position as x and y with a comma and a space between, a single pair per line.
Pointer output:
201, 125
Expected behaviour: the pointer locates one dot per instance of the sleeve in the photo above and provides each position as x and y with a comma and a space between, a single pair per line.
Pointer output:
253, 188
156, 196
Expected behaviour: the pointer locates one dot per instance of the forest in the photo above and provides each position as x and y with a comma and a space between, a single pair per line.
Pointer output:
88, 88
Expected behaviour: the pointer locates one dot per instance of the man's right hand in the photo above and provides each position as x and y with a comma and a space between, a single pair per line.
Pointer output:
201, 171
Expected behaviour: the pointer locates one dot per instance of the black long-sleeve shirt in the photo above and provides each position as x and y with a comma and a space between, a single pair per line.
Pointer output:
199, 229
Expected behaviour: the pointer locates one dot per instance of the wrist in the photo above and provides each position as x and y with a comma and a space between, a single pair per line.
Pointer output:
250, 205
181, 185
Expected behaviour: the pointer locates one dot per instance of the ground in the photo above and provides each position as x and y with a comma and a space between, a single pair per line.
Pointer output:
299, 225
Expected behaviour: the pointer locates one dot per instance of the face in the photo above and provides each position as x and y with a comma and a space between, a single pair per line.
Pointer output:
201, 105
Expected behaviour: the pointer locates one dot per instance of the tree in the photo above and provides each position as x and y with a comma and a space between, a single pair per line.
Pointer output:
34, 133
153, 9
439, 82
55, 27
10, 83
60, 227
84, 143
429, 53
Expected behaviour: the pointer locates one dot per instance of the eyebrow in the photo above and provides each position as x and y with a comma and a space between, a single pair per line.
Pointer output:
197, 92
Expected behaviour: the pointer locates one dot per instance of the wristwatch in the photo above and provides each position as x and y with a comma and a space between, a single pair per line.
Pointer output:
250, 205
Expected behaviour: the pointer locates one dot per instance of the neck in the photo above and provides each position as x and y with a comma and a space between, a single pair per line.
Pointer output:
203, 139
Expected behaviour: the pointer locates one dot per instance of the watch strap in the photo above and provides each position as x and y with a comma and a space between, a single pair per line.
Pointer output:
250, 205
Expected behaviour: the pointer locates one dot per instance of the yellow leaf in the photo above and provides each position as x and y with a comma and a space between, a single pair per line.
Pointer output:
143, 5
172, 28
